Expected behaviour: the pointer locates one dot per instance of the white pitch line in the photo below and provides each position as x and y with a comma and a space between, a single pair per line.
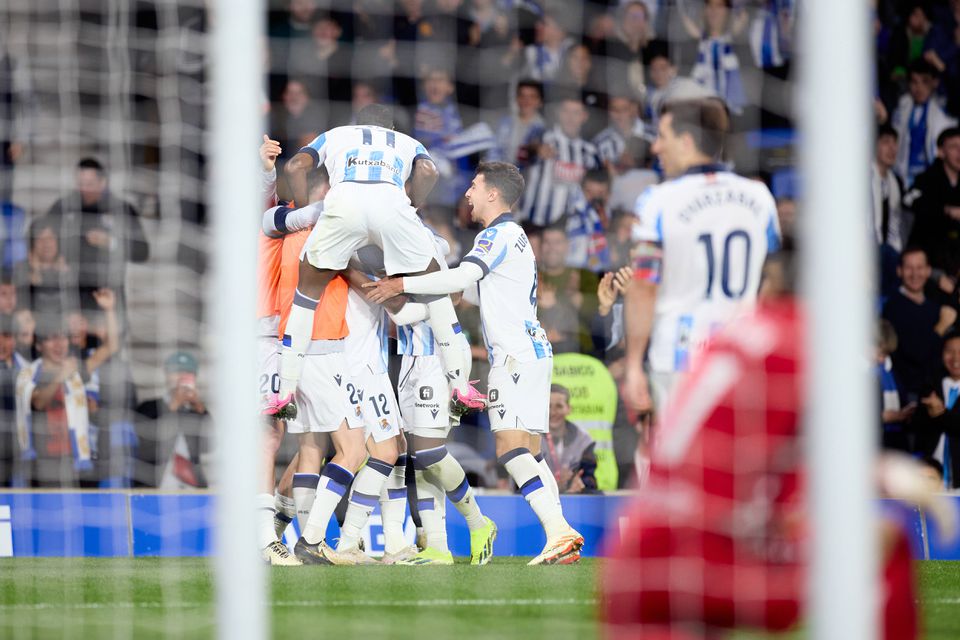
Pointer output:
320, 604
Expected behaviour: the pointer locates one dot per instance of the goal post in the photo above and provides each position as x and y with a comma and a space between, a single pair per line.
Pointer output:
235, 123
837, 272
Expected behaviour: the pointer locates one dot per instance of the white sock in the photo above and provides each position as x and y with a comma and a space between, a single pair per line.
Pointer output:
295, 341
367, 487
546, 474
393, 507
432, 505
265, 512
443, 470
333, 484
525, 471
446, 327
304, 493
286, 510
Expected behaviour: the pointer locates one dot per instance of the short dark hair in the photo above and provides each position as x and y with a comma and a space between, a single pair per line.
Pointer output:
317, 177
707, 120
923, 68
596, 175
886, 130
376, 114
934, 464
913, 248
946, 134
562, 390
91, 163
531, 84
505, 178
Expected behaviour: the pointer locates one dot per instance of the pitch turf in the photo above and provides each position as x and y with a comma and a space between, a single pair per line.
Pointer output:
150, 598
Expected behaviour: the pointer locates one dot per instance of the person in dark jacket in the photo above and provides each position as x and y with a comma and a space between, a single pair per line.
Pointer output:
938, 418
99, 233
934, 200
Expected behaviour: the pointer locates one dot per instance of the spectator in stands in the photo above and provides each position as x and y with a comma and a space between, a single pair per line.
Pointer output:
52, 284
889, 219
625, 123
893, 416
627, 52
911, 39
519, 133
16, 100
543, 60
54, 408
578, 78
290, 39
934, 200
25, 326
13, 244
297, 121
944, 52
552, 268
937, 424
559, 319
568, 449
9, 367
326, 69
588, 223
436, 122
718, 66
8, 293
890, 222
172, 430
663, 74
919, 322
98, 232
633, 174
919, 119
563, 158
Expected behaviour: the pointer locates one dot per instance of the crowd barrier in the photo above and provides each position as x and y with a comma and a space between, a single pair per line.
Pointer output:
152, 524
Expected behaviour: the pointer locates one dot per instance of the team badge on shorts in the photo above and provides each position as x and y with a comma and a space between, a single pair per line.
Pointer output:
384, 424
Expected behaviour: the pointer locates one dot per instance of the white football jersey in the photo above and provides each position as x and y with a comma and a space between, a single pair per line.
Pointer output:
417, 339
366, 345
715, 229
508, 293
364, 153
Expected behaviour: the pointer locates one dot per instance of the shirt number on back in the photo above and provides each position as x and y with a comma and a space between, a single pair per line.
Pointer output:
736, 247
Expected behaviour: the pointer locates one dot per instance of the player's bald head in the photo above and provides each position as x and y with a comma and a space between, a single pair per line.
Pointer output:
377, 115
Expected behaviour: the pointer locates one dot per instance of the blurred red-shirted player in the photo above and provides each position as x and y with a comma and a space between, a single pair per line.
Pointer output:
716, 539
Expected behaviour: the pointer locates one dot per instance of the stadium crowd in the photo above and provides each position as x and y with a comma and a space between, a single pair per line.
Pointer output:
570, 93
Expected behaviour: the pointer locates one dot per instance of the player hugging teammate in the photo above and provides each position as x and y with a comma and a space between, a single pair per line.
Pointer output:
323, 350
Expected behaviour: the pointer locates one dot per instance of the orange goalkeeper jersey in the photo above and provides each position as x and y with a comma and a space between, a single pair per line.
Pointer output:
269, 253
330, 319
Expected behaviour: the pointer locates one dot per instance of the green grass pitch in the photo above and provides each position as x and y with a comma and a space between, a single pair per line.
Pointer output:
151, 598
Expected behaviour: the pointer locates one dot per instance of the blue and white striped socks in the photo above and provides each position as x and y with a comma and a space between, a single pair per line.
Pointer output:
334, 481
525, 471
393, 506
363, 498
444, 470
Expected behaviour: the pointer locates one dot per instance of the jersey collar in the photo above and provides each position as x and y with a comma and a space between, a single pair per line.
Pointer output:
503, 217
712, 167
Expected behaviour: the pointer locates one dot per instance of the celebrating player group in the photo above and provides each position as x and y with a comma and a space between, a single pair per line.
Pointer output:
347, 257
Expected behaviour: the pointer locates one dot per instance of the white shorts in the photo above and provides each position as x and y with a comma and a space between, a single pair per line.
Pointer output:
268, 367
519, 395
356, 215
373, 398
323, 399
424, 397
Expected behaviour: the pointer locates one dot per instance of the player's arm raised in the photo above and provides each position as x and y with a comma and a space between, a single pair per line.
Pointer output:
269, 151
422, 180
296, 171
